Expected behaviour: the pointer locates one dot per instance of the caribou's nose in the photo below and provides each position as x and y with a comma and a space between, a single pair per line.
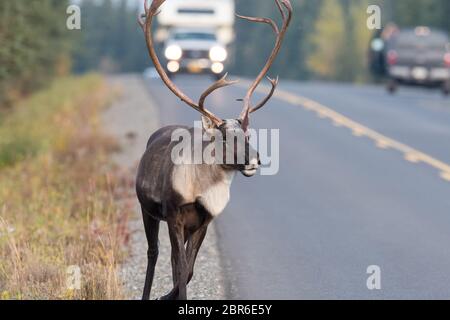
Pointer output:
254, 163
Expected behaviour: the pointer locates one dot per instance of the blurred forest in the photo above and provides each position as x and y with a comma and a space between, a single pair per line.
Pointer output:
110, 39
328, 39
33, 45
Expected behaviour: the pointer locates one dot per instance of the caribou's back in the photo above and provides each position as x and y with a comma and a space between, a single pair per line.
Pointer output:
153, 183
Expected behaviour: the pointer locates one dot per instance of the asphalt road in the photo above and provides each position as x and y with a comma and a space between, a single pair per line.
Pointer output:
363, 180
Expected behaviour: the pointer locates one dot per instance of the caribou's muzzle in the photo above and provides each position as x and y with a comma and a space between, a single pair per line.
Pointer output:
251, 169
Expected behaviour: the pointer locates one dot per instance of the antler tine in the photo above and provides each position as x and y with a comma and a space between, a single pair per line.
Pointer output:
280, 8
279, 40
142, 16
147, 7
141, 20
274, 83
223, 82
150, 13
261, 20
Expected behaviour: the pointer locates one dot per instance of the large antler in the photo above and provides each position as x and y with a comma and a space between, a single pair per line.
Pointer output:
283, 6
223, 82
146, 21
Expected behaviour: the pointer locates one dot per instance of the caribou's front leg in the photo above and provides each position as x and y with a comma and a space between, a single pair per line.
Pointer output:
179, 259
193, 246
173, 294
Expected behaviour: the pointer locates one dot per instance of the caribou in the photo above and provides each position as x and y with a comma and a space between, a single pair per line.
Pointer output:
189, 196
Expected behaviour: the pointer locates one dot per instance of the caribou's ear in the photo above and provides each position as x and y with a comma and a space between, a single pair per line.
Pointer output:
208, 125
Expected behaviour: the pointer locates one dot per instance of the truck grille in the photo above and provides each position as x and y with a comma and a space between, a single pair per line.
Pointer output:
195, 54
196, 11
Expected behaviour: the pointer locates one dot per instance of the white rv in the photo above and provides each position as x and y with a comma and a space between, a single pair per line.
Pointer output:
196, 34
211, 14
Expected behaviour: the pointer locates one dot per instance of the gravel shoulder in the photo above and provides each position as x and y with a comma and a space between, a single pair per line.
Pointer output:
132, 118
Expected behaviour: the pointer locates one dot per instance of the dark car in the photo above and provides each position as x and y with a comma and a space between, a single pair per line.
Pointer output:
419, 56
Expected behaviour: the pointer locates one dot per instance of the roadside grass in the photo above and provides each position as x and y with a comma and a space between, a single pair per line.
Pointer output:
60, 196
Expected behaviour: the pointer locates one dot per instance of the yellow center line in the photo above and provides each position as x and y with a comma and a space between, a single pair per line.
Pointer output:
381, 141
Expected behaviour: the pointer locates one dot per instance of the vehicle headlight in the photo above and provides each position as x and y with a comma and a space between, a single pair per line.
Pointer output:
173, 52
217, 67
218, 54
173, 66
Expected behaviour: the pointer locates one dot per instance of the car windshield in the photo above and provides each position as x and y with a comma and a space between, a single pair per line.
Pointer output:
195, 36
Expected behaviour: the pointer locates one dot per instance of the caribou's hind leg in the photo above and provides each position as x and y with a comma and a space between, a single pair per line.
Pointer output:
151, 226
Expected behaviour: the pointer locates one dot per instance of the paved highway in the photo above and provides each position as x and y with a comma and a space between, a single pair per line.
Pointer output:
364, 180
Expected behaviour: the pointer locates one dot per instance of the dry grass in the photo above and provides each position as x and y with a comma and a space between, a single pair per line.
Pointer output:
58, 196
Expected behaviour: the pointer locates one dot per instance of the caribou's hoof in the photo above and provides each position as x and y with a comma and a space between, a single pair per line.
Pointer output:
169, 297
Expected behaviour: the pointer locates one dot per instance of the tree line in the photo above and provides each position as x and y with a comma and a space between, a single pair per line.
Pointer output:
33, 45
111, 39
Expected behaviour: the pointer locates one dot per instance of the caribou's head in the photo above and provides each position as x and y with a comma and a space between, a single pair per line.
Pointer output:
234, 143
233, 127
